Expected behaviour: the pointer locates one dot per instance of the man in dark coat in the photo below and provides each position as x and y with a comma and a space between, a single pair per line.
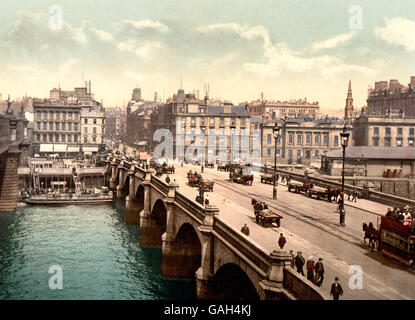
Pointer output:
299, 263
281, 241
336, 289
319, 272
245, 230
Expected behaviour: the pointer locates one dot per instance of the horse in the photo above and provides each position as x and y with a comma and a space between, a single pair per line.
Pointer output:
248, 179
370, 233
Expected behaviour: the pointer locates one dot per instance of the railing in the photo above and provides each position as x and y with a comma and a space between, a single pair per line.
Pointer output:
162, 186
254, 253
192, 206
389, 199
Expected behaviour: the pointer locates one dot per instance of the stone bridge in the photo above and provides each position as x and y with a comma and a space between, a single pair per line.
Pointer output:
13, 143
196, 243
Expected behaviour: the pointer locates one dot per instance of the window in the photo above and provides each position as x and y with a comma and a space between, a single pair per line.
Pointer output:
298, 153
376, 142
76, 115
290, 154
69, 126
63, 116
56, 138
268, 138
86, 130
44, 138
51, 138
232, 130
376, 131
75, 138
70, 115
308, 139
75, 127
38, 137
50, 115
63, 126
233, 121
411, 142
317, 140
268, 152
212, 121
94, 139
95, 121
85, 120
411, 131
202, 121
326, 139
222, 121
45, 115
399, 142
69, 138
399, 131
38, 115
387, 142
57, 126
388, 131
316, 153
51, 126
192, 121
336, 140
308, 154
63, 138
38, 125
290, 139
58, 115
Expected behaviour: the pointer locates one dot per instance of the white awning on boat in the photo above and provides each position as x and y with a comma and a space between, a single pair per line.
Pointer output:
73, 148
46, 148
90, 149
59, 147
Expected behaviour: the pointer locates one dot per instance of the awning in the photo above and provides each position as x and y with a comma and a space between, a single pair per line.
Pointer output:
90, 149
73, 149
59, 147
46, 148
143, 156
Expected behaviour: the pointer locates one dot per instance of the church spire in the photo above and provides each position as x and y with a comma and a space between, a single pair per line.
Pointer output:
349, 110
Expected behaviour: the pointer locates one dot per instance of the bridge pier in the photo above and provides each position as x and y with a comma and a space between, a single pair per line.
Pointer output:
132, 206
9, 190
149, 229
113, 178
119, 191
206, 269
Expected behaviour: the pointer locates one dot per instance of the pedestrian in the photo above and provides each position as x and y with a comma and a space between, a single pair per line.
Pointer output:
336, 289
207, 200
389, 213
167, 179
202, 168
310, 268
354, 193
319, 272
281, 241
299, 262
292, 258
245, 230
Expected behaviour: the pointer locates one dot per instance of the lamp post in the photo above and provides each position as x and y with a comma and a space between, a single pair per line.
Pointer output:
344, 140
276, 133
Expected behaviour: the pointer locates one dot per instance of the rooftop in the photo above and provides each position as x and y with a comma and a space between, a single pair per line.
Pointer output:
365, 152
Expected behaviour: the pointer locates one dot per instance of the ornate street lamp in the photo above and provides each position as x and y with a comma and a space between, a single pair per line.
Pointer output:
344, 141
276, 133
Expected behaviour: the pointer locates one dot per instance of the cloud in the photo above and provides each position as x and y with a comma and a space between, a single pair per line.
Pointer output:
148, 24
146, 50
333, 42
280, 58
398, 31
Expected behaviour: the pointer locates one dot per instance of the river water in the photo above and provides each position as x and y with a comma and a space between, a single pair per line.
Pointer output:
98, 254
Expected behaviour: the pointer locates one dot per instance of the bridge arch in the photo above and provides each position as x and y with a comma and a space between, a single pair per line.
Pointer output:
232, 283
126, 187
139, 197
184, 254
159, 220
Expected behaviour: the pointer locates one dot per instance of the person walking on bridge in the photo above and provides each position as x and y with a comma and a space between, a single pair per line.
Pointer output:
319, 272
299, 263
282, 241
245, 230
336, 289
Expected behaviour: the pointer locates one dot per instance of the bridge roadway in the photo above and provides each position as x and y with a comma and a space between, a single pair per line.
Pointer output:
311, 226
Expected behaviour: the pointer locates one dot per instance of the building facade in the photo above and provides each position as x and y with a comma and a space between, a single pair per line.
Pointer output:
302, 140
391, 97
280, 109
92, 130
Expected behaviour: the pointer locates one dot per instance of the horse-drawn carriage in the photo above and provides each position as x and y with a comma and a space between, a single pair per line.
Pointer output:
209, 165
196, 180
269, 178
299, 187
238, 174
263, 215
169, 169
224, 166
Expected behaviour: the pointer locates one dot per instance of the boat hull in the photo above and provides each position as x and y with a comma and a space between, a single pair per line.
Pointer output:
65, 202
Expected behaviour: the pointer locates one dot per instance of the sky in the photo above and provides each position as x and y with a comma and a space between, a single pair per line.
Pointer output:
287, 49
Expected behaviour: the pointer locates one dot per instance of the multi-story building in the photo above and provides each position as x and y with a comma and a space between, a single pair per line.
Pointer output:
59, 122
389, 118
280, 109
302, 140
391, 98
92, 130
210, 128
57, 128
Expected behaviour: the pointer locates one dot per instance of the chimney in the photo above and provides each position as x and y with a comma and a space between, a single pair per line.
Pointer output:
89, 86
